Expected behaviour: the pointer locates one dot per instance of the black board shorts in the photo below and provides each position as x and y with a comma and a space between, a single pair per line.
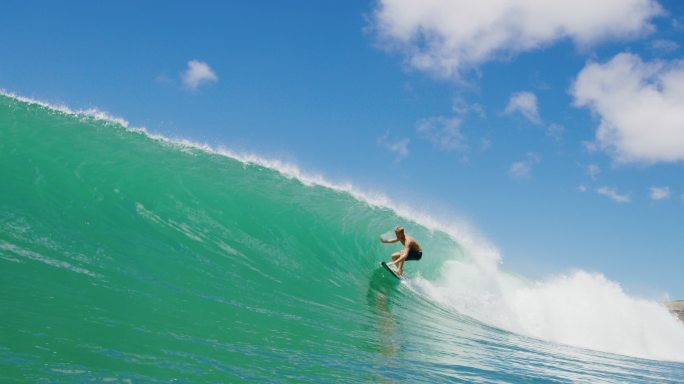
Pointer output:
414, 255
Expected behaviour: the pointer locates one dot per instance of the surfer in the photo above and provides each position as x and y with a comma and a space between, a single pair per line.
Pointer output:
411, 251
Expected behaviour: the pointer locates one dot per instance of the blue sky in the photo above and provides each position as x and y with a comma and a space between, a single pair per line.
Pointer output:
555, 129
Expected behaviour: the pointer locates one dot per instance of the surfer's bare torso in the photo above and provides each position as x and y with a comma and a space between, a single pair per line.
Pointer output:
411, 244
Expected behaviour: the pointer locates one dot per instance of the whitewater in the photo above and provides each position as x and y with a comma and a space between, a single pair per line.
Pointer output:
129, 257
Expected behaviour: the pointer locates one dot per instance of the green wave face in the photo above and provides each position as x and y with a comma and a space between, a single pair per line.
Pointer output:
129, 259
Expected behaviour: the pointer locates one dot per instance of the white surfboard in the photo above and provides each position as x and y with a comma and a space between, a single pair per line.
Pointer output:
391, 270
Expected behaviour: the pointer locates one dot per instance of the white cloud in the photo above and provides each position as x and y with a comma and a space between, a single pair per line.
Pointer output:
613, 195
446, 37
163, 79
198, 73
660, 193
526, 104
677, 25
664, 45
461, 107
640, 105
593, 171
486, 143
555, 131
400, 147
523, 169
444, 133
520, 170
582, 188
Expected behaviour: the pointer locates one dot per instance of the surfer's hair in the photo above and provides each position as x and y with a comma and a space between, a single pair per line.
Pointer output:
399, 229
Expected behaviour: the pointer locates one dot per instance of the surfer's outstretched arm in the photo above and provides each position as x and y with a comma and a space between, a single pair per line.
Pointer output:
388, 241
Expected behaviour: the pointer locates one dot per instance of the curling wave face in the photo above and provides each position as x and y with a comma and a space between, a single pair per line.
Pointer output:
127, 256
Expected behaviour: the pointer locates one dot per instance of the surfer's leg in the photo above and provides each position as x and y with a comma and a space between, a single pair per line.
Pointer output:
395, 256
412, 255
399, 261
400, 266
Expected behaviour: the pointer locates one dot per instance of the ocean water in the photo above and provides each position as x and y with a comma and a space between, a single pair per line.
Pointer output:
126, 257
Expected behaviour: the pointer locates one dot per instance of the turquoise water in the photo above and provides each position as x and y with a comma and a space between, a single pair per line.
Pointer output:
129, 259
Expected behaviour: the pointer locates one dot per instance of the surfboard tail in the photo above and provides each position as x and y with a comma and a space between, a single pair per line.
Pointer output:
391, 270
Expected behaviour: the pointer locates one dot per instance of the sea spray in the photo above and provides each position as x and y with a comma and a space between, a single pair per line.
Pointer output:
579, 308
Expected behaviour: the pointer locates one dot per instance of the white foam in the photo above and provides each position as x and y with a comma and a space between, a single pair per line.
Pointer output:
90, 112
579, 308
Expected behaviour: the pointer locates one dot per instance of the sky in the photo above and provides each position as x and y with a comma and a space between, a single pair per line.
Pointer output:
555, 128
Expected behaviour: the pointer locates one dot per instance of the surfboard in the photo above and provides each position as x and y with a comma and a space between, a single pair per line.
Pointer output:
391, 270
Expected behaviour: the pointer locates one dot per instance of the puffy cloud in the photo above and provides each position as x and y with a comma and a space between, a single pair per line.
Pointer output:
526, 104
640, 106
197, 73
660, 193
444, 133
523, 169
445, 37
613, 195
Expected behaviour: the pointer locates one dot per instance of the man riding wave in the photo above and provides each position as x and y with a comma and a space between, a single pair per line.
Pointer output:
411, 251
